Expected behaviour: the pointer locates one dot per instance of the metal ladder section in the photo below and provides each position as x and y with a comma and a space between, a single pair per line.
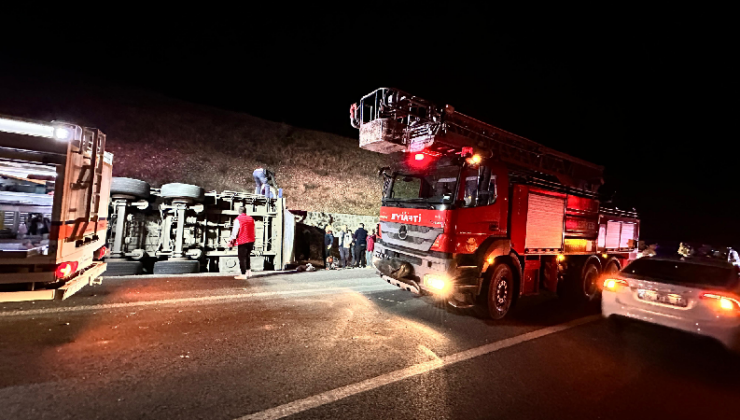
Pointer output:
93, 140
444, 130
519, 150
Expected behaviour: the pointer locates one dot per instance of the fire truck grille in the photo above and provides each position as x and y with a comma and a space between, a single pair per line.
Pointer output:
419, 238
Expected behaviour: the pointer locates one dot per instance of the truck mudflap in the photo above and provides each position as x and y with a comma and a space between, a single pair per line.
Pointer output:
411, 286
88, 277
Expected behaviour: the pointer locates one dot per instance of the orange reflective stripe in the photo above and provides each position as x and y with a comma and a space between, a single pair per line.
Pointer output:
65, 231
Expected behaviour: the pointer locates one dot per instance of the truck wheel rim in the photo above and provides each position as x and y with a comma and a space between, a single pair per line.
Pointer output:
589, 284
502, 294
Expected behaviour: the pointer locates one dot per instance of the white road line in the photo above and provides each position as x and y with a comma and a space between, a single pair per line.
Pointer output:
205, 299
428, 352
337, 394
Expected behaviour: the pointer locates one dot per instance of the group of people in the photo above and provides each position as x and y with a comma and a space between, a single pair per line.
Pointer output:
37, 226
355, 248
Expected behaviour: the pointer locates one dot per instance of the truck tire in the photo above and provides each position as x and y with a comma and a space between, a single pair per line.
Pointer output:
611, 268
584, 286
501, 291
118, 267
177, 190
129, 186
176, 267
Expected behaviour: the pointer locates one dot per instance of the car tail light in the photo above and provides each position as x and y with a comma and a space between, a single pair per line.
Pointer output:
614, 284
725, 303
66, 269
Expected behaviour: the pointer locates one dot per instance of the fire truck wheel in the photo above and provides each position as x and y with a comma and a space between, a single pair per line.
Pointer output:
501, 290
177, 190
129, 186
588, 287
611, 267
122, 268
176, 267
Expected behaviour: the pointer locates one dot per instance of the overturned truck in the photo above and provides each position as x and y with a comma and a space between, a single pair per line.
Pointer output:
180, 228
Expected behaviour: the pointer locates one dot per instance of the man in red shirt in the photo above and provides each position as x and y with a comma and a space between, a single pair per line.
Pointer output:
243, 236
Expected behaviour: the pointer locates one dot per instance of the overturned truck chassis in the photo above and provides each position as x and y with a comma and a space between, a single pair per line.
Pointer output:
180, 229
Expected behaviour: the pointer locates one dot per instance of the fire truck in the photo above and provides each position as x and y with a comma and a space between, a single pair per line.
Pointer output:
54, 187
478, 216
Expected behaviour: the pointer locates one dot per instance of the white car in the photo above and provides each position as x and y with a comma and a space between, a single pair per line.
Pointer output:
699, 295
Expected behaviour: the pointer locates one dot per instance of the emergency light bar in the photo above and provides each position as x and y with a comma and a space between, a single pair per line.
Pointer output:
61, 132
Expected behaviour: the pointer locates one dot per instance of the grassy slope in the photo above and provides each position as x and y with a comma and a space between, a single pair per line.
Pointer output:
161, 140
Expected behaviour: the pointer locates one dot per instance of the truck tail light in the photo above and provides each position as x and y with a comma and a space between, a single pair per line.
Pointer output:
614, 284
66, 269
379, 235
100, 253
725, 303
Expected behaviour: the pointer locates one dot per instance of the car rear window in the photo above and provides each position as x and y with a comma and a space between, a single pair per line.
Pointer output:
681, 272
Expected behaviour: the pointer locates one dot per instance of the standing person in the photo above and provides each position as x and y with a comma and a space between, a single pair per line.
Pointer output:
370, 248
243, 236
345, 242
360, 239
328, 242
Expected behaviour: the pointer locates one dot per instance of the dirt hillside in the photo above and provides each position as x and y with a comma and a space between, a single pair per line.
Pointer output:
160, 140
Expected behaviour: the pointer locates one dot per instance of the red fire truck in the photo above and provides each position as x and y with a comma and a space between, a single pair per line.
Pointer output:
479, 216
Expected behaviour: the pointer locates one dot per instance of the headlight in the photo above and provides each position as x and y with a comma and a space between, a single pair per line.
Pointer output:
438, 283
62, 133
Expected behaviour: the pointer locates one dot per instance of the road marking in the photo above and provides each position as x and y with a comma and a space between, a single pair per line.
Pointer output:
205, 299
428, 352
337, 394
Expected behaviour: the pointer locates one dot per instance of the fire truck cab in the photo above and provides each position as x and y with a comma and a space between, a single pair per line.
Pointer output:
479, 216
53, 208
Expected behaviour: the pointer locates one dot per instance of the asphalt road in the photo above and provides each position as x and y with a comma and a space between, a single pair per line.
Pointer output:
341, 345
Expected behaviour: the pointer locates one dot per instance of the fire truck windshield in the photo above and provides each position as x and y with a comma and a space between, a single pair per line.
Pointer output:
438, 187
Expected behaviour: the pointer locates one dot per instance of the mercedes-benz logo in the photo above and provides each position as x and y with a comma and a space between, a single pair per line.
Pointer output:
402, 232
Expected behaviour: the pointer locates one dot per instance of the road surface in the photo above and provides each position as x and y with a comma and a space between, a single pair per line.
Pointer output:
341, 345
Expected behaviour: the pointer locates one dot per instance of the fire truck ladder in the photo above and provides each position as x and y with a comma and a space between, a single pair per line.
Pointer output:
444, 130
461, 131
93, 183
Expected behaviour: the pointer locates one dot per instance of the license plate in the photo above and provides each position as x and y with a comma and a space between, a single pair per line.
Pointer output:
664, 298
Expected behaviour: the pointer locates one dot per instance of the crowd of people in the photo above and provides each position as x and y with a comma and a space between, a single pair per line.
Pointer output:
355, 248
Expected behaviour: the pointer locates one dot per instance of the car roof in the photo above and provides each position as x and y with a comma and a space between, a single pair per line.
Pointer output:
709, 261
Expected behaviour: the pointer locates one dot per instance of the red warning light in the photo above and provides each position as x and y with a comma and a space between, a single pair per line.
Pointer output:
419, 156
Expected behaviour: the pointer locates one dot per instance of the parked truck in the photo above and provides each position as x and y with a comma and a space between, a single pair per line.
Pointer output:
479, 216
53, 208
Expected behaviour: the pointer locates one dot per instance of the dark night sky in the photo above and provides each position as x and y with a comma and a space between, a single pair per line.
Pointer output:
649, 98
